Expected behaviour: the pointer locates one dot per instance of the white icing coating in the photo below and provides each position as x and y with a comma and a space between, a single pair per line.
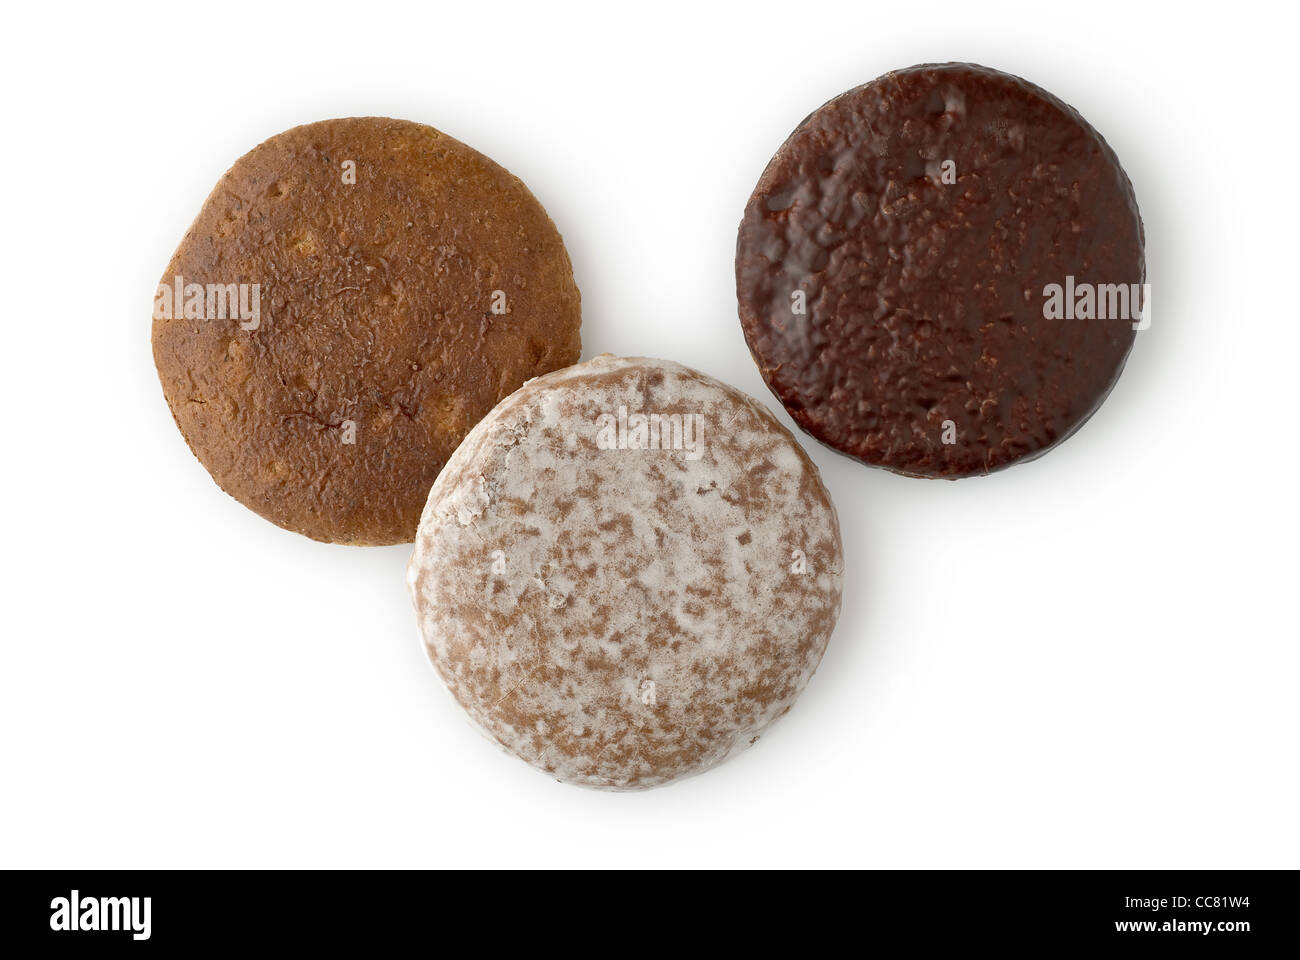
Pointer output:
616, 616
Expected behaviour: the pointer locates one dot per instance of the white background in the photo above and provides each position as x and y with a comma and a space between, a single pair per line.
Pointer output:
1086, 661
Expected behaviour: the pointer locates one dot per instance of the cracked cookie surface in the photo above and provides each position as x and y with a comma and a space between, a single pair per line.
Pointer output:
405, 284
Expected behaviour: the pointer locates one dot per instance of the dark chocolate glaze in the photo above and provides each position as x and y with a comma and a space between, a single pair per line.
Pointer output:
925, 299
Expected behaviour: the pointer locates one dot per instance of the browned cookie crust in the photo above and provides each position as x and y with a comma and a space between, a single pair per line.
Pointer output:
923, 346
395, 311
622, 603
